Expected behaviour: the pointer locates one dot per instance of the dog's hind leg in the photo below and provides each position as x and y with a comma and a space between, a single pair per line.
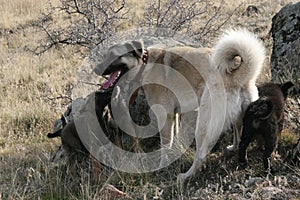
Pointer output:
202, 150
271, 140
269, 148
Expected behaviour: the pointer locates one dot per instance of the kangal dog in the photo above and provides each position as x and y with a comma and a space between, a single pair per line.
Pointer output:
222, 78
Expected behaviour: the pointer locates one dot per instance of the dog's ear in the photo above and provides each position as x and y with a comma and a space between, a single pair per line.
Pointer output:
135, 47
285, 88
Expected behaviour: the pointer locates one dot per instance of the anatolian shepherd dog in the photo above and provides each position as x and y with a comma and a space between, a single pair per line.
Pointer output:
225, 74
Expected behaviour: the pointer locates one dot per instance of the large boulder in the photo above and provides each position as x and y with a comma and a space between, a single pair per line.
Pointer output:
285, 62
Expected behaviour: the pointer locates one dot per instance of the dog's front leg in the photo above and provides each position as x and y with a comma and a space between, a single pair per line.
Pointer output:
166, 138
237, 130
248, 94
246, 139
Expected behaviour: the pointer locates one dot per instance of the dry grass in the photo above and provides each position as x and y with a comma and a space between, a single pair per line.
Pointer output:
28, 81
29, 103
20, 11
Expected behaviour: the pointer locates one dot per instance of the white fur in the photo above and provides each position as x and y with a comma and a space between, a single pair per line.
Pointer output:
242, 43
217, 112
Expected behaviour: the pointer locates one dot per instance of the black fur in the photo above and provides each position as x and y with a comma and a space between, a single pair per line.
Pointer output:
58, 132
264, 117
68, 133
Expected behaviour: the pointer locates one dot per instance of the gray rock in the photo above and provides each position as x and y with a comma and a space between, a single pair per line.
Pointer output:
285, 62
254, 181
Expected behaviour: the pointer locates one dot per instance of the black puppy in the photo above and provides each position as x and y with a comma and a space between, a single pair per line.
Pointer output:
69, 136
264, 117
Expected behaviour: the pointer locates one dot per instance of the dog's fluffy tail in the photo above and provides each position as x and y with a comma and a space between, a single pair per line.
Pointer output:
241, 53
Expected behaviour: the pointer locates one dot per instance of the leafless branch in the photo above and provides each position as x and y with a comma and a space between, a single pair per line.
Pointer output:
173, 15
195, 18
211, 25
87, 23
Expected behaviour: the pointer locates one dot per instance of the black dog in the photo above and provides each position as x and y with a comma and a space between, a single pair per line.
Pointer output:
264, 117
68, 133
70, 139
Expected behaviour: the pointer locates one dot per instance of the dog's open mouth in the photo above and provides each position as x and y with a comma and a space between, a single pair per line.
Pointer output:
111, 80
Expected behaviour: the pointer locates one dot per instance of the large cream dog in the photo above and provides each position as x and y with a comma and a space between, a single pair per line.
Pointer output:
225, 74
121, 58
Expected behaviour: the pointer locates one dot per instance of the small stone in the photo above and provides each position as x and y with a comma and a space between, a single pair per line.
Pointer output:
254, 181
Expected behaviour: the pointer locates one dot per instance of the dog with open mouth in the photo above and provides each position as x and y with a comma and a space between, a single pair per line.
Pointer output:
237, 59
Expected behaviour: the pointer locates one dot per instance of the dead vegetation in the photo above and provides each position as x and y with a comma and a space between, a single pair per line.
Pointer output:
35, 90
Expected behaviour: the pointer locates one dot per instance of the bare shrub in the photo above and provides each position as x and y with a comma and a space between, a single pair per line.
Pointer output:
196, 18
90, 23
174, 15
86, 23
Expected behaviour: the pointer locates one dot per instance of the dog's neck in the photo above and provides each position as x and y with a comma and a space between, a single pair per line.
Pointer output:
137, 78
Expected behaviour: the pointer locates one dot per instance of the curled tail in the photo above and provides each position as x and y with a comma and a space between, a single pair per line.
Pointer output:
239, 52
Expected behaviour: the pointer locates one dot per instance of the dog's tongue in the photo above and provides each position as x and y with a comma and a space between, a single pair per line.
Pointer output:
112, 78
